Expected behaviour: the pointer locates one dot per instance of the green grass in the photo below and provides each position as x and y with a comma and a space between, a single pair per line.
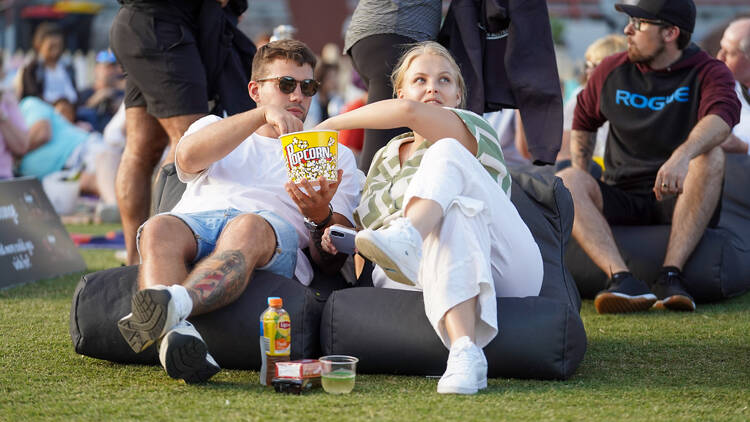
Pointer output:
655, 366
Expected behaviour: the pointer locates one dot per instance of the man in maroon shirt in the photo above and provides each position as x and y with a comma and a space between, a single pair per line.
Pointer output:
670, 106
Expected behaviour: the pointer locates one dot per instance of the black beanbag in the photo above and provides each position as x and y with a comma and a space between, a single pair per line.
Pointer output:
719, 267
540, 337
231, 333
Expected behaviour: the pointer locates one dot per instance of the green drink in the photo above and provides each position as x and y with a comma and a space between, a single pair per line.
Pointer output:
340, 381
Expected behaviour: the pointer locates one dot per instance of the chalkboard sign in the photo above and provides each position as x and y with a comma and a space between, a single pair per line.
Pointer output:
33, 241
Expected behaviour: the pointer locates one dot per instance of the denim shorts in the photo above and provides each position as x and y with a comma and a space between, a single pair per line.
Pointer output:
207, 226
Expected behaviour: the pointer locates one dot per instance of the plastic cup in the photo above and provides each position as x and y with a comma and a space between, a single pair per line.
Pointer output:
310, 154
338, 373
62, 193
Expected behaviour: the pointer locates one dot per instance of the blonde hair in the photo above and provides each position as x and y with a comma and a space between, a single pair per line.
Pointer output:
605, 46
426, 47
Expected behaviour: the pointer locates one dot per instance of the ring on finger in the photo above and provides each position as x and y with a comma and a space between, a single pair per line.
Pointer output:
664, 185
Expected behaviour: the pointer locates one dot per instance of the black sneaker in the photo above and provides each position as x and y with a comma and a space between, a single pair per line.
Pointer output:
624, 293
668, 288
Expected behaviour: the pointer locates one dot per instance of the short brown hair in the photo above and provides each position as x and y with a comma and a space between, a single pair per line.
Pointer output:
293, 50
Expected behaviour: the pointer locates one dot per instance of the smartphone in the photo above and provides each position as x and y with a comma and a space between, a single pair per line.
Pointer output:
343, 239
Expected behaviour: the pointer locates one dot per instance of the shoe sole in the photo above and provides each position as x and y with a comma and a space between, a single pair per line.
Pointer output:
613, 303
456, 390
186, 359
145, 324
370, 248
676, 303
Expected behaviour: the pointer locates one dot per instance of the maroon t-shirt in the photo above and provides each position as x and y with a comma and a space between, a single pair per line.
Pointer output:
651, 112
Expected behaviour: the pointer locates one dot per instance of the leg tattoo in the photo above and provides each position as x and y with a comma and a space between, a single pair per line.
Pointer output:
217, 281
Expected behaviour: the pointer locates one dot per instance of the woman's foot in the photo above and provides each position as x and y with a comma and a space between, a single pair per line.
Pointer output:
466, 371
396, 248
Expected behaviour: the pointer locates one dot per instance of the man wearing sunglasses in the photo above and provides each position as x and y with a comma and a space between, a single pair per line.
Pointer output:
670, 106
239, 213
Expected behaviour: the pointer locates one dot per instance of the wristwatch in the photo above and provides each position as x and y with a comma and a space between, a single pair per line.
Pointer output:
314, 227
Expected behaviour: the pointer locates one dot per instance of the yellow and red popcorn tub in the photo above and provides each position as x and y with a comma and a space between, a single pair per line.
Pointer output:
311, 153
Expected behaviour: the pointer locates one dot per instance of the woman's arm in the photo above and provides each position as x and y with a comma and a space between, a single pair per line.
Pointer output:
429, 121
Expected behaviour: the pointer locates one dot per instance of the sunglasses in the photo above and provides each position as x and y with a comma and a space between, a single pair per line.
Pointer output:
636, 22
288, 84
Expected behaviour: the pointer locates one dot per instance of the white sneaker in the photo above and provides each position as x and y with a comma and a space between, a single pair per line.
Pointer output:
184, 355
466, 371
154, 311
397, 249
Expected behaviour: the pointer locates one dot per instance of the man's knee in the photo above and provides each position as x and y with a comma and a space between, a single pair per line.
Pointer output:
250, 231
582, 186
163, 233
146, 139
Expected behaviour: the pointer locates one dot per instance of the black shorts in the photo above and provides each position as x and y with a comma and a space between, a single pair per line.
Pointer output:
162, 64
625, 208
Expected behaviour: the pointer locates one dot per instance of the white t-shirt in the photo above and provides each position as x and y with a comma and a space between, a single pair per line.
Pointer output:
57, 84
742, 129
252, 177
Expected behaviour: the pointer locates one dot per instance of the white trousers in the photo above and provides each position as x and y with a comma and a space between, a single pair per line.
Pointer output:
481, 248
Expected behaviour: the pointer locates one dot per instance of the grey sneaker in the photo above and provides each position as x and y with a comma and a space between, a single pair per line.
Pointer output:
155, 311
184, 355
396, 248
624, 293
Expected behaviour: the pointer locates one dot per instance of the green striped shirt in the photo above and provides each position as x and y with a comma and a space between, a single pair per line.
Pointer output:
387, 180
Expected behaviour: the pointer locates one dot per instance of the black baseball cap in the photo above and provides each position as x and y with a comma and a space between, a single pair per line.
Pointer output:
680, 13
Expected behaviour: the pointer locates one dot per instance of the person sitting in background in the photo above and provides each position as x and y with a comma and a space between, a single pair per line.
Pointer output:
99, 103
595, 53
46, 76
670, 106
327, 101
68, 110
14, 138
354, 138
56, 144
735, 53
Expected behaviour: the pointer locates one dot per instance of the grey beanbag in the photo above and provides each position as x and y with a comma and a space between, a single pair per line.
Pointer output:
718, 268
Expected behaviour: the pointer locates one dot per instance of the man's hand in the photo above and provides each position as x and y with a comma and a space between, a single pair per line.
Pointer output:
281, 120
670, 178
312, 203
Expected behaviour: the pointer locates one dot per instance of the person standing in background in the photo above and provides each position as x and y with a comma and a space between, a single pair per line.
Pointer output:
160, 45
375, 40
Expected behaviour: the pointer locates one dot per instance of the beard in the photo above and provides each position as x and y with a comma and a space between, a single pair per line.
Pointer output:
637, 56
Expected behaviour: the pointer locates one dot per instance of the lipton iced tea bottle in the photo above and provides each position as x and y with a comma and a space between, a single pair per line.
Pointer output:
275, 338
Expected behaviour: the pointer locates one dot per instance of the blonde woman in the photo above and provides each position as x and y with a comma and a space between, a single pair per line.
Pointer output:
436, 214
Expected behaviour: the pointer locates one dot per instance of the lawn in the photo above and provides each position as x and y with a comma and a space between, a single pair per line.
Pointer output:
653, 366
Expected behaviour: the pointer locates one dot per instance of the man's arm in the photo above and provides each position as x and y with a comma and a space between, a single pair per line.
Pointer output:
581, 148
204, 147
734, 145
314, 205
709, 133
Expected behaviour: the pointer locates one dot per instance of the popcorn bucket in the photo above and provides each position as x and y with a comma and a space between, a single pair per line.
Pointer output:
310, 154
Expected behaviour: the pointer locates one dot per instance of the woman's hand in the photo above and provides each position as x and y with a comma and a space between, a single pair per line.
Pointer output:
326, 244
